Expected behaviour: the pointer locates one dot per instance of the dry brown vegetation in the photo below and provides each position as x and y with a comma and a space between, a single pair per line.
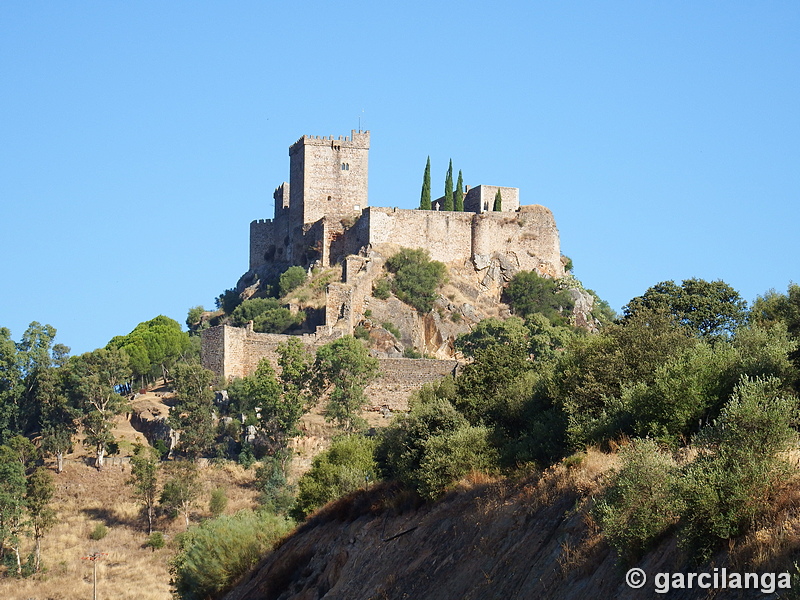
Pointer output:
128, 570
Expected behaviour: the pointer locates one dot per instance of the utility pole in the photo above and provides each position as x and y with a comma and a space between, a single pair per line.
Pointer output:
94, 557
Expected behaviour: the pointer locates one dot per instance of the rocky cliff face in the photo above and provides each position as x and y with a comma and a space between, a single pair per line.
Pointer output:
524, 540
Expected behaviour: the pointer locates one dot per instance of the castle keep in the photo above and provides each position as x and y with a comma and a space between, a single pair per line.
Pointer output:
322, 218
322, 215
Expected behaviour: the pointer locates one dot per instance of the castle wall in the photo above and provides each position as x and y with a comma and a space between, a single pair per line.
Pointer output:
212, 349
446, 235
345, 301
236, 352
401, 376
529, 236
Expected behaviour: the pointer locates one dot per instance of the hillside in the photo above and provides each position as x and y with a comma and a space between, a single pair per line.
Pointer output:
531, 538
86, 498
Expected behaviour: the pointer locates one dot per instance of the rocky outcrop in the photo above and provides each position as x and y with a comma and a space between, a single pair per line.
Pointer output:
149, 417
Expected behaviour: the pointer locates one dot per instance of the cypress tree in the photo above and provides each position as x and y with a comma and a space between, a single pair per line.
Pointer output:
425, 198
498, 202
458, 199
448, 188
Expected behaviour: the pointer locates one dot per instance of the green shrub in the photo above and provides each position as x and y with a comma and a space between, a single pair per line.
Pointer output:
276, 495
161, 448
214, 554
639, 505
228, 301
391, 328
345, 467
155, 541
361, 333
452, 455
367, 313
99, 532
251, 309
416, 277
218, 502
409, 352
741, 463
455, 317
528, 293
382, 289
434, 445
290, 279
267, 314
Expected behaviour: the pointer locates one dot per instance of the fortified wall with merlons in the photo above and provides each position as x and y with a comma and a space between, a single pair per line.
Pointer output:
322, 218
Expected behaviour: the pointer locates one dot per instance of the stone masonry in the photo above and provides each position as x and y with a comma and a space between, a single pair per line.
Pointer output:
322, 217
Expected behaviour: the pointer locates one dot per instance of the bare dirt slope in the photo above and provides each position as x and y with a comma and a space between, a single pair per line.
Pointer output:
524, 540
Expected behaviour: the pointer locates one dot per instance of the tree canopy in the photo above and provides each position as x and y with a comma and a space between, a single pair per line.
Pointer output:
710, 309
154, 346
416, 277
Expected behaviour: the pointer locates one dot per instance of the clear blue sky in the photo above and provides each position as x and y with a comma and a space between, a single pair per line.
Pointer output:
139, 139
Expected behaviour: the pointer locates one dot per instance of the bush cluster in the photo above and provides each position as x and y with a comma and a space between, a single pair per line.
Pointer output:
416, 278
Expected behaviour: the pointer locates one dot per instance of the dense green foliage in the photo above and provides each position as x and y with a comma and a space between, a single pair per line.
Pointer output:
433, 446
741, 464
218, 502
97, 377
640, 504
144, 479
425, 195
181, 489
382, 289
267, 314
227, 301
528, 294
291, 279
346, 466
498, 202
708, 309
416, 277
214, 554
192, 414
153, 347
343, 369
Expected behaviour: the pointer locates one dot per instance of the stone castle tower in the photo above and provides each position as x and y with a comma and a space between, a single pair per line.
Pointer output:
328, 185
328, 177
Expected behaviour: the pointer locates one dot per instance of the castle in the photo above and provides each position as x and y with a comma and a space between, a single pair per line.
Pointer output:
323, 218
322, 215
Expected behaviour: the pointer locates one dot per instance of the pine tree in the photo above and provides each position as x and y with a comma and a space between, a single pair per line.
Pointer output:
425, 198
498, 202
458, 199
448, 188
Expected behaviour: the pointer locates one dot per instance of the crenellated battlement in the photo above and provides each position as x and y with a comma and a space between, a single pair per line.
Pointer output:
356, 139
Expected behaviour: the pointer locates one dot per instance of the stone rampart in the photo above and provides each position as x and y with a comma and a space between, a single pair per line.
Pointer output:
402, 376
446, 235
528, 237
236, 352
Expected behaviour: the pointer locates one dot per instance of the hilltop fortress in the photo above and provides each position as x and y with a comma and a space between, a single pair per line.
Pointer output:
323, 215
322, 219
